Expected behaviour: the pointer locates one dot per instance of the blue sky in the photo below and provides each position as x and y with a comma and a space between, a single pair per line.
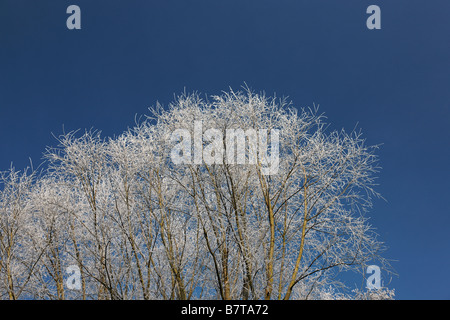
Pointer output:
393, 82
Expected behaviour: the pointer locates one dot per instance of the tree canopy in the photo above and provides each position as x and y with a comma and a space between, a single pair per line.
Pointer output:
138, 225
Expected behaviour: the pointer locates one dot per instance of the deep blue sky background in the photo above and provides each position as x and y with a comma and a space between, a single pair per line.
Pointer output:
394, 82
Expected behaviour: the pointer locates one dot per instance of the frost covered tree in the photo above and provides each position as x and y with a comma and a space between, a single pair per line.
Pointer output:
237, 218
